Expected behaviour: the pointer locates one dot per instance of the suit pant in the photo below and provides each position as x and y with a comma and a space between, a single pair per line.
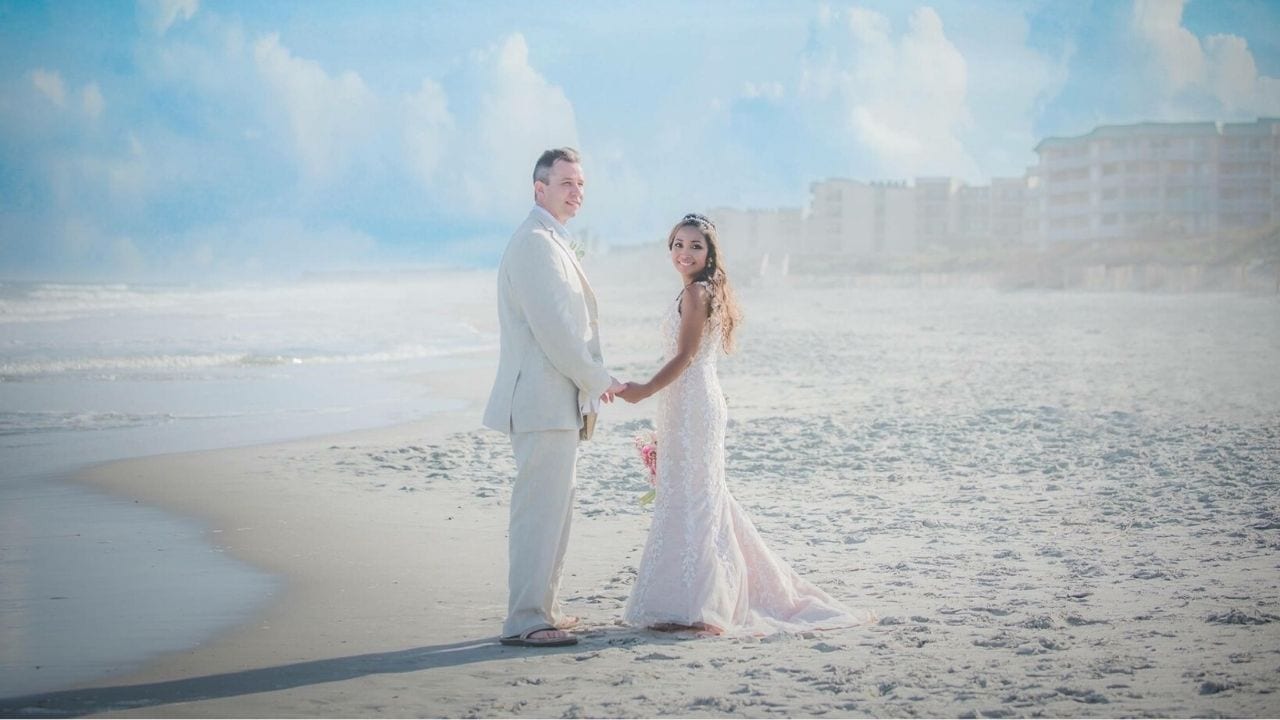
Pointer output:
541, 511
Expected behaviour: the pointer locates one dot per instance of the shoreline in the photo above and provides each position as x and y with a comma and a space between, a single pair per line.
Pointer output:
164, 484
357, 597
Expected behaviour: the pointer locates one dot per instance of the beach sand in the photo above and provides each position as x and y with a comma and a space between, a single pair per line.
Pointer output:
1057, 504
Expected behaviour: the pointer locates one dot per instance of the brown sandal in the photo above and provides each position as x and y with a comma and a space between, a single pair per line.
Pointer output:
526, 639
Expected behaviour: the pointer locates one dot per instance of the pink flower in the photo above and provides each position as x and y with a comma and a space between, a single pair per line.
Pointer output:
647, 445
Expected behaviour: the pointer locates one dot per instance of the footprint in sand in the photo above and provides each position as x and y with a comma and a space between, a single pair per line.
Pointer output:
655, 656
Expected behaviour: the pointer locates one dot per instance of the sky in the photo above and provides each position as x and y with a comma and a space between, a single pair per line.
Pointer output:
187, 140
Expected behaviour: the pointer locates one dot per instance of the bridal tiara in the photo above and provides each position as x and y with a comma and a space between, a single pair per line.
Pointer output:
699, 219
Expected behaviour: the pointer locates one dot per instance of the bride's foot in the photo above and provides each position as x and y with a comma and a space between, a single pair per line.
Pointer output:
705, 629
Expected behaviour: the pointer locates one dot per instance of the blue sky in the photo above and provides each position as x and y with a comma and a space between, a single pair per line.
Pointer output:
181, 140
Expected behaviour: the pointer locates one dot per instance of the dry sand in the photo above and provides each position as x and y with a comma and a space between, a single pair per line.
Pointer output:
1059, 505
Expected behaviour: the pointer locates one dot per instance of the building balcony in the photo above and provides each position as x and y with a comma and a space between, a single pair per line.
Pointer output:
1191, 205
1057, 187
1243, 155
1246, 205
1167, 154
1187, 181
1062, 214
1244, 176
1138, 206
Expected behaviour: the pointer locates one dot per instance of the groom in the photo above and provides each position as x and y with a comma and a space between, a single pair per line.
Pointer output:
550, 379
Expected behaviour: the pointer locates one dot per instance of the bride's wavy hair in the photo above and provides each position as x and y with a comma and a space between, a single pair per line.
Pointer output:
724, 304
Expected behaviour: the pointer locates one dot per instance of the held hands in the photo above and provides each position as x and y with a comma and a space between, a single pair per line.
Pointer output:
634, 392
615, 388
629, 391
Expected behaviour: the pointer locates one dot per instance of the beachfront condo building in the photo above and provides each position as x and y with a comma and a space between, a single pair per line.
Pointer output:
1158, 180
1116, 182
892, 219
849, 217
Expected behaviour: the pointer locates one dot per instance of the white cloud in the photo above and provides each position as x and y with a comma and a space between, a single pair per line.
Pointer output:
125, 257
213, 60
765, 90
126, 176
84, 250
1159, 23
520, 115
507, 113
91, 98
271, 245
620, 206
902, 98
330, 117
1008, 86
428, 128
49, 83
1217, 75
1232, 72
77, 241
160, 15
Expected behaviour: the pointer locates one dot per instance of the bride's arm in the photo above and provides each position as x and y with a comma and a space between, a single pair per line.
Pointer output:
694, 305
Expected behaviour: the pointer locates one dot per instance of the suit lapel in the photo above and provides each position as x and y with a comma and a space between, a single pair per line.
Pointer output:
573, 258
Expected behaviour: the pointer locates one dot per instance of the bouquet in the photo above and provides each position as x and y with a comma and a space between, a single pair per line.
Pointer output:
647, 445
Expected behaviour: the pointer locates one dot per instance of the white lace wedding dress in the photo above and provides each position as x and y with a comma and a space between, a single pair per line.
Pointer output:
704, 561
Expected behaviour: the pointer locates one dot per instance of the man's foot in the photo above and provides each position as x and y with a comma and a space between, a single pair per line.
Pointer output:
544, 636
567, 621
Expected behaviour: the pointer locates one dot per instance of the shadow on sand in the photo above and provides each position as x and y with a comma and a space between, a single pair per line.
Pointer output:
83, 701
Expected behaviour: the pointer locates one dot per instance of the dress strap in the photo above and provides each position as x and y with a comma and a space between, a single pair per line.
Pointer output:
703, 283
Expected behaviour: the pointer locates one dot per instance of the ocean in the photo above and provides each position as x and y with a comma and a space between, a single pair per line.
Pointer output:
92, 585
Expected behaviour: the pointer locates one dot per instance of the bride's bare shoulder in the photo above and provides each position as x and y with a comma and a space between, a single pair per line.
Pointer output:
695, 296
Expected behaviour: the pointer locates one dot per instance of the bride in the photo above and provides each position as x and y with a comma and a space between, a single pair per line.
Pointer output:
705, 566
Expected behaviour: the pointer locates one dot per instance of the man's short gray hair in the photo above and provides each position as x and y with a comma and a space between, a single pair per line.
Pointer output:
542, 169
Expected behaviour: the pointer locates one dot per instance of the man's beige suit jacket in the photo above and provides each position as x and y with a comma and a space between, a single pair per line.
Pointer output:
549, 361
